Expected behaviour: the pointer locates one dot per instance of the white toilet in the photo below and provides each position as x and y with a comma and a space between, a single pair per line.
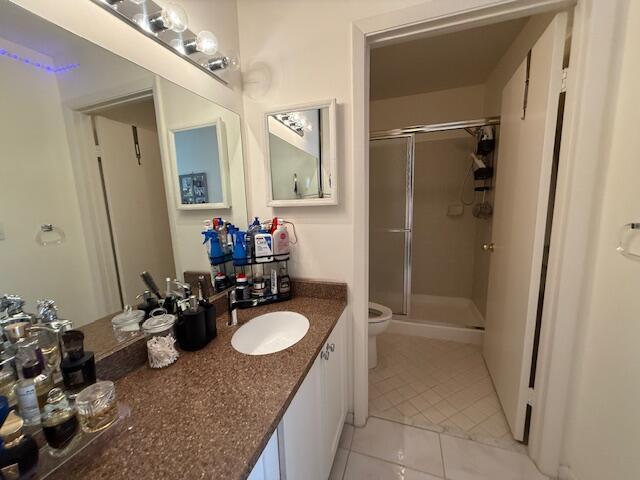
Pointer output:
379, 319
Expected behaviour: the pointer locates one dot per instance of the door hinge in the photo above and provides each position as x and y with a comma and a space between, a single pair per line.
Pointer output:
98, 151
136, 144
531, 396
525, 97
563, 85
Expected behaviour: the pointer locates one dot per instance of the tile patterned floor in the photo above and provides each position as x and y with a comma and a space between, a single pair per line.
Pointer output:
437, 385
386, 450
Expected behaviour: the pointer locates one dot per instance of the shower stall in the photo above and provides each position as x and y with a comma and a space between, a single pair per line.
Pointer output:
429, 216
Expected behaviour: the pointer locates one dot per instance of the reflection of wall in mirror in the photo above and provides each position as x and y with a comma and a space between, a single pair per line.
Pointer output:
197, 156
294, 172
41, 189
177, 107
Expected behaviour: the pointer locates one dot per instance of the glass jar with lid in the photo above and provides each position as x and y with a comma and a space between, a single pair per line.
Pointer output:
160, 338
126, 324
59, 420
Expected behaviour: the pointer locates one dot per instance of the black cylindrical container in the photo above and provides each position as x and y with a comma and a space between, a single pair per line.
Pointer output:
210, 322
191, 330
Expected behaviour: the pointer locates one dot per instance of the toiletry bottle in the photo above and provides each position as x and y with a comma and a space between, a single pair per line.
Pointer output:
254, 228
274, 282
59, 421
220, 282
78, 367
28, 401
263, 247
42, 379
284, 284
209, 310
242, 287
19, 452
240, 249
169, 303
280, 239
191, 329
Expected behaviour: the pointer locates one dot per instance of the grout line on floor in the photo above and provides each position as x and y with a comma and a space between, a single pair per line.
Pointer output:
444, 467
394, 463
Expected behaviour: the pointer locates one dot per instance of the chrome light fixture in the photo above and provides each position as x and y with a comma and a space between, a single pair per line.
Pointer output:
167, 25
172, 17
222, 63
205, 42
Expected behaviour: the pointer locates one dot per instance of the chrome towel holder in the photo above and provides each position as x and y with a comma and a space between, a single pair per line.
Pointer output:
624, 235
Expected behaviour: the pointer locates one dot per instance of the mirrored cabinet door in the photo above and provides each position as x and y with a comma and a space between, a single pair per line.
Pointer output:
301, 155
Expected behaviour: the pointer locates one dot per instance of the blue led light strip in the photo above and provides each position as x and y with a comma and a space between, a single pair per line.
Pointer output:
35, 64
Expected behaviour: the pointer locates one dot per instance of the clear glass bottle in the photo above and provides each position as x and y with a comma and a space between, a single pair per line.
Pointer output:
42, 379
25, 391
97, 407
59, 420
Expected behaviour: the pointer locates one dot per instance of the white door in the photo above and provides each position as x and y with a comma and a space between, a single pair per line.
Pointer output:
525, 158
137, 204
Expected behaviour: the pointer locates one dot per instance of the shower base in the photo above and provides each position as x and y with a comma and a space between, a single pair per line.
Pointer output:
451, 311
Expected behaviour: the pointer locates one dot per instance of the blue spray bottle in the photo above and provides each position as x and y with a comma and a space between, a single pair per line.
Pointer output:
239, 248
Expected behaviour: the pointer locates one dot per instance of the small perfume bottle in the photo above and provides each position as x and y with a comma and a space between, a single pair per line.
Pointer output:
78, 367
59, 420
19, 454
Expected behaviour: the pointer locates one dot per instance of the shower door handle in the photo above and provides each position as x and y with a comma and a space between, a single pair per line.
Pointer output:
488, 247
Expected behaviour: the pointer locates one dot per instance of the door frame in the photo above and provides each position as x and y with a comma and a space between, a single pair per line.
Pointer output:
408, 215
594, 66
84, 152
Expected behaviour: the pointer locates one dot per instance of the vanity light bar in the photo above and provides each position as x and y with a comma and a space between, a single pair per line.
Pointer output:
168, 26
291, 121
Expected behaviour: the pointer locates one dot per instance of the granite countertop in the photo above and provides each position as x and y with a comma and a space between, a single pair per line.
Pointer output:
211, 413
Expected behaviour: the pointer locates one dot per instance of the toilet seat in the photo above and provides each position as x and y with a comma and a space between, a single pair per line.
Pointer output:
379, 313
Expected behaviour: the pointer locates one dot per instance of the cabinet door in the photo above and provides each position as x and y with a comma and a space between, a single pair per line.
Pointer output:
334, 363
267, 467
302, 430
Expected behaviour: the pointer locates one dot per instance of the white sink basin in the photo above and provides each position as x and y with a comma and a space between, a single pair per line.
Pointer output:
270, 333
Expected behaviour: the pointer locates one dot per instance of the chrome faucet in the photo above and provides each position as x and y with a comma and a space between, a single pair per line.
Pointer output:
234, 303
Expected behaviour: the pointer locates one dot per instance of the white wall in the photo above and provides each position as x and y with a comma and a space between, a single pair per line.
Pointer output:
465, 103
305, 45
178, 108
603, 437
39, 189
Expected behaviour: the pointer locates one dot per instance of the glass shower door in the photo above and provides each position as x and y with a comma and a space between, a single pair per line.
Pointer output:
390, 220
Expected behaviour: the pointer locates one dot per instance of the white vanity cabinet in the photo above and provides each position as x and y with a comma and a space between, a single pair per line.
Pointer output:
311, 427
306, 440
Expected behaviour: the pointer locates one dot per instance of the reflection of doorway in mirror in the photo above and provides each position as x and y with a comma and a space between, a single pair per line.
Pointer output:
193, 188
136, 207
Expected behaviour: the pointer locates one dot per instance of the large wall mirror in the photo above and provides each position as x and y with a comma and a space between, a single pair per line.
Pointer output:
94, 152
301, 155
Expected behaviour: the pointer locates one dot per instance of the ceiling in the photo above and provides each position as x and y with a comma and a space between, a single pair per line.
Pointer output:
437, 63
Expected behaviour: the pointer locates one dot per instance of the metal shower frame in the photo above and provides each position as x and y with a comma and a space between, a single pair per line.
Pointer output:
409, 133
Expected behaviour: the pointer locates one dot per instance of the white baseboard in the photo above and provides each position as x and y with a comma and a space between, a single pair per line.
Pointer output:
440, 332
476, 312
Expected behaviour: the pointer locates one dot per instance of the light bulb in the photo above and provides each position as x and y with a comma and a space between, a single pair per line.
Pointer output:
138, 2
174, 18
233, 64
178, 44
206, 42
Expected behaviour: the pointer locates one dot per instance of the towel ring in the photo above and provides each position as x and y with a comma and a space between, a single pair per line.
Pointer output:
622, 249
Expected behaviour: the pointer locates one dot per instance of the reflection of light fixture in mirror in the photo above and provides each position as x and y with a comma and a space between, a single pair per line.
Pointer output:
172, 17
293, 121
205, 42
222, 63
50, 235
112, 3
138, 2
